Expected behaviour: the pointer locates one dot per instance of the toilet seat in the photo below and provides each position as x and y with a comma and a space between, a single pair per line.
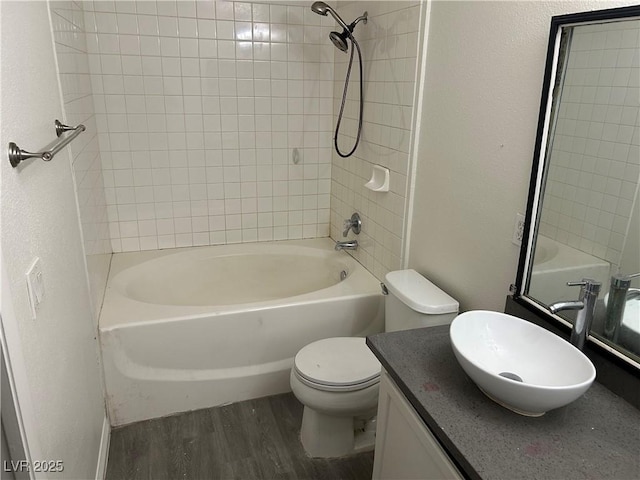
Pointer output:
341, 364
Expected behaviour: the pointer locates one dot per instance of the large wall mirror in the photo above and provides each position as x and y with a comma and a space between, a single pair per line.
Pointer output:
583, 217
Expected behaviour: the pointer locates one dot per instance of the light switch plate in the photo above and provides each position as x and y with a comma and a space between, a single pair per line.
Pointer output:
35, 286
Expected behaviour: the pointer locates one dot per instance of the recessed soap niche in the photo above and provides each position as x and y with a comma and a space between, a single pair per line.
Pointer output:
379, 179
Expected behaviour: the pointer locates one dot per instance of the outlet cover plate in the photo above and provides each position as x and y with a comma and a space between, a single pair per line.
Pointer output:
518, 230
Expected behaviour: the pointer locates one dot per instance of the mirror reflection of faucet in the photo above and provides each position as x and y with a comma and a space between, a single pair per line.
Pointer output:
619, 293
586, 303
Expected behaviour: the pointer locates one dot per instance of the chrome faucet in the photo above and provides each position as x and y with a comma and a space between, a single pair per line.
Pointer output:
347, 245
354, 223
586, 304
619, 291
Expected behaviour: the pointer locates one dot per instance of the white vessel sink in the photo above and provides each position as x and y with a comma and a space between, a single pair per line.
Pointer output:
517, 364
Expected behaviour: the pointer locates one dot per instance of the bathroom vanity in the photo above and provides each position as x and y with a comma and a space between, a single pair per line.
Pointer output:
433, 416
405, 447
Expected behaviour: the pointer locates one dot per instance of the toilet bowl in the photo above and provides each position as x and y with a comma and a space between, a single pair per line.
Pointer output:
337, 379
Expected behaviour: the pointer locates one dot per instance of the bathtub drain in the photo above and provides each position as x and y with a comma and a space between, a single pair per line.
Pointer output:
343, 275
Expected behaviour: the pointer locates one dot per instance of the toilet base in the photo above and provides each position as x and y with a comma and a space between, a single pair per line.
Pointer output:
326, 436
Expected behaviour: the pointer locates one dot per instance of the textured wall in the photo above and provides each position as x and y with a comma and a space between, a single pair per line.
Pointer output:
39, 219
199, 107
389, 43
67, 21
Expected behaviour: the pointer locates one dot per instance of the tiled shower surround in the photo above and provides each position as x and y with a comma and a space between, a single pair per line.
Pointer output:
67, 21
389, 44
199, 108
595, 163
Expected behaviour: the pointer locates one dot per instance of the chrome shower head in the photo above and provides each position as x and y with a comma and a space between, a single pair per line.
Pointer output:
340, 40
320, 8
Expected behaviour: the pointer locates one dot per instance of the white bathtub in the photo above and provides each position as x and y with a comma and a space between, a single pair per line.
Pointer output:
191, 328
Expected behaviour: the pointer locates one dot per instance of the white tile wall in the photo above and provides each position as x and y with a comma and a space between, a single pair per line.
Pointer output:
389, 42
199, 106
67, 20
595, 161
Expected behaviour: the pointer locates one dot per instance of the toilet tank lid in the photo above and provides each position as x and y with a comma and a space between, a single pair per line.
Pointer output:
418, 293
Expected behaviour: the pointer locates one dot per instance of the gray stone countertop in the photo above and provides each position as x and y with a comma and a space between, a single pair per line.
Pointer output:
595, 437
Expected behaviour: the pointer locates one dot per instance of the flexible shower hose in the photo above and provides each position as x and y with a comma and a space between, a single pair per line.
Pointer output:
344, 99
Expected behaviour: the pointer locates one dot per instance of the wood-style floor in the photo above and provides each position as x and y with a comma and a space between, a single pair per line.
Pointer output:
255, 439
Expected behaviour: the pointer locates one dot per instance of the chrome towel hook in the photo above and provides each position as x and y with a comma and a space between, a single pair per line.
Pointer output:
17, 155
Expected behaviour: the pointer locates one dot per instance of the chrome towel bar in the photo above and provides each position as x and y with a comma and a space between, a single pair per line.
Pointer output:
17, 155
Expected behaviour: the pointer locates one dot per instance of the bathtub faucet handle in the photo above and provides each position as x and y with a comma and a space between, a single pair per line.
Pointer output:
354, 223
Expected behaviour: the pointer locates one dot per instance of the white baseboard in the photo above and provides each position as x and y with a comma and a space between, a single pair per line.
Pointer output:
103, 455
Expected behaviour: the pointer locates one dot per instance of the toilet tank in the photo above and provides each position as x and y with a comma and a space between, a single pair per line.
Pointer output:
415, 302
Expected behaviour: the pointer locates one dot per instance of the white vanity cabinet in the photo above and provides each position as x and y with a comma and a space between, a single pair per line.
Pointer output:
405, 448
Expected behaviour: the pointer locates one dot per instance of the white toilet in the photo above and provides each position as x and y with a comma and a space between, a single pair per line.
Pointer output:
337, 379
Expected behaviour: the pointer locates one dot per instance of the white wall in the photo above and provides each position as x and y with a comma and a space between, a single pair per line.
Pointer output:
485, 67
390, 46
39, 218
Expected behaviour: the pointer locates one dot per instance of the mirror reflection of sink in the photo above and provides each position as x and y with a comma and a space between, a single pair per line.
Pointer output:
521, 366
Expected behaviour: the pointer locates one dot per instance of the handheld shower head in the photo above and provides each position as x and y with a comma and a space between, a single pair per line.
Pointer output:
320, 8
323, 9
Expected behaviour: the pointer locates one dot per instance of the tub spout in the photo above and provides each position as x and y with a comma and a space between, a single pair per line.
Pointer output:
347, 245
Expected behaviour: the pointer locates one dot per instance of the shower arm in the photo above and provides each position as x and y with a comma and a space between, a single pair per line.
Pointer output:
349, 28
361, 18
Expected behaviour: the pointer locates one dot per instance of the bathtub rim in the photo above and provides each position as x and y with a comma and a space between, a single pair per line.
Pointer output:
130, 281
119, 311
